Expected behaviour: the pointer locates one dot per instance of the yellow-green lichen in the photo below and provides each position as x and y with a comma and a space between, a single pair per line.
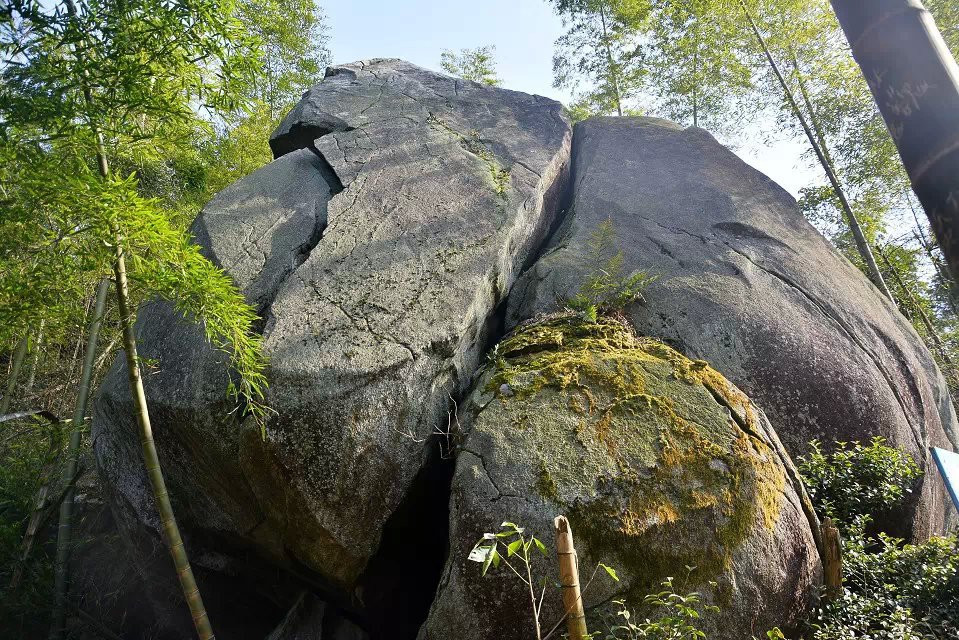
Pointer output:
636, 444
499, 176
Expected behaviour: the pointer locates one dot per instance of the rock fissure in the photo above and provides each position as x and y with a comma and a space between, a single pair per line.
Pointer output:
499, 492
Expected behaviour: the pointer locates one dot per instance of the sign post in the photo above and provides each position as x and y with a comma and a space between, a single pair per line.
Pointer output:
948, 463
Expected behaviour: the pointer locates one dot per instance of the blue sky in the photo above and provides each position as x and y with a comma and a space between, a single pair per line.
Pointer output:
523, 32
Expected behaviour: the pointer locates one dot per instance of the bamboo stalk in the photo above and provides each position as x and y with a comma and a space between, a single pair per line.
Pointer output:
942, 269
18, 357
569, 580
832, 560
930, 328
862, 245
34, 360
64, 530
170, 530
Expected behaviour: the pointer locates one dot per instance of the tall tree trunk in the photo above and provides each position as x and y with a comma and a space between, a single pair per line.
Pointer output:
65, 528
915, 81
170, 530
18, 355
862, 245
613, 75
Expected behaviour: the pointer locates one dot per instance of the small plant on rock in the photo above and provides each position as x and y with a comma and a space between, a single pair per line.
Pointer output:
513, 548
518, 546
679, 614
607, 289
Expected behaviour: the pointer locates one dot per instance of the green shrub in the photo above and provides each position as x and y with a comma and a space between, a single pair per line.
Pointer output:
673, 616
893, 590
857, 480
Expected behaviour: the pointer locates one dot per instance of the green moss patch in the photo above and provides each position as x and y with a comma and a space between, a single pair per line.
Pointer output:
635, 443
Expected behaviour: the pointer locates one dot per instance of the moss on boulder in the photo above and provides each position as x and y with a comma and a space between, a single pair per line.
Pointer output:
657, 460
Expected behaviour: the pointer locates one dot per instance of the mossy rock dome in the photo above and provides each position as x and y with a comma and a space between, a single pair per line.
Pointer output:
657, 460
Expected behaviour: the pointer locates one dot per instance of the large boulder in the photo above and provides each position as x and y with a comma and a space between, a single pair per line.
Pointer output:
377, 248
747, 284
400, 228
659, 463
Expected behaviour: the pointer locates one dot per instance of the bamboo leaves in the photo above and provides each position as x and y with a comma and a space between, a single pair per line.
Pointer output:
599, 50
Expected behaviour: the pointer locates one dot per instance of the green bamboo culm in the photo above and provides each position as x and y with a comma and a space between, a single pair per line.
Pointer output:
862, 244
171, 532
34, 359
64, 530
18, 357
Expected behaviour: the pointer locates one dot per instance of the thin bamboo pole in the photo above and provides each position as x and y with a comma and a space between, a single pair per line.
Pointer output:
569, 580
942, 269
832, 560
64, 530
34, 359
930, 328
170, 530
862, 245
18, 356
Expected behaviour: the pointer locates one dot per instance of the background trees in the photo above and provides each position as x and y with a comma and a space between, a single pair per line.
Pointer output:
698, 73
478, 65
598, 57
117, 122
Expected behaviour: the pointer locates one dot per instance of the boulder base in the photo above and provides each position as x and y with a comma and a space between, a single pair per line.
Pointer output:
660, 465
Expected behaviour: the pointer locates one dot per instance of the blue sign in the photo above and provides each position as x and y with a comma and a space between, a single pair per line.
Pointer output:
948, 463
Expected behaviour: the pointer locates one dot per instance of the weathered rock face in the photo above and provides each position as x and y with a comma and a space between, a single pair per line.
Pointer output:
380, 248
377, 249
657, 460
748, 285
447, 193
